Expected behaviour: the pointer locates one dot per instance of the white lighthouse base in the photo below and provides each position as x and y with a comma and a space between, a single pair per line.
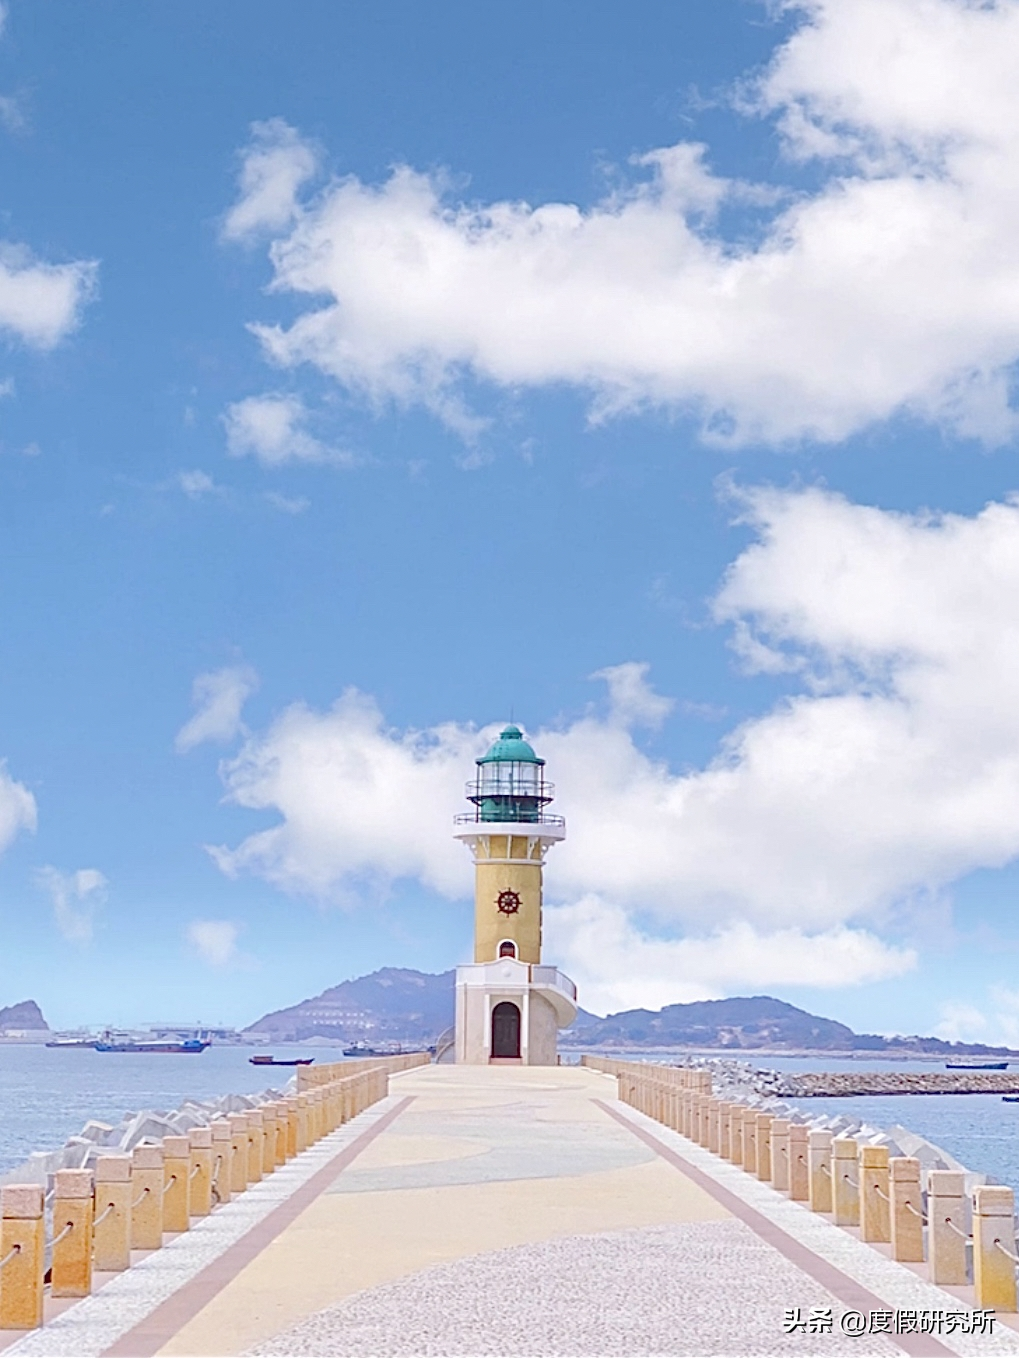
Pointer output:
510, 1012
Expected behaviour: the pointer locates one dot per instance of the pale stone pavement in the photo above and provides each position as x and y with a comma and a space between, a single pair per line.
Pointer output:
514, 1211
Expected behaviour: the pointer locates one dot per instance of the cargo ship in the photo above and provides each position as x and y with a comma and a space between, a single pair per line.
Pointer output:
189, 1045
272, 1061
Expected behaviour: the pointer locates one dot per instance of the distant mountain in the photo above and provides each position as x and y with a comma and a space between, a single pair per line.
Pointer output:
748, 1024
22, 1016
395, 1003
402, 1005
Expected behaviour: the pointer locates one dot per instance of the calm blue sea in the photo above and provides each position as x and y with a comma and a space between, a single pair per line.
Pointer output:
46, 1095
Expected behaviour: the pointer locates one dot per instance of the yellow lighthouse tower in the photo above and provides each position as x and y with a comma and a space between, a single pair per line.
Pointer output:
509, 1006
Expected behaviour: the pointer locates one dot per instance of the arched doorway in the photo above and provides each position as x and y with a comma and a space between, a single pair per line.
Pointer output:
506, 1030
507, 948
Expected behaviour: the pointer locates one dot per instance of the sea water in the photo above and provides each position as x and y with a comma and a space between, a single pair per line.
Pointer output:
48, 1093
977, 1129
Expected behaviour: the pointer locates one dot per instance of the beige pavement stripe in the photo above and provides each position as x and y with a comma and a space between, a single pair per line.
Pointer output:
148, 1337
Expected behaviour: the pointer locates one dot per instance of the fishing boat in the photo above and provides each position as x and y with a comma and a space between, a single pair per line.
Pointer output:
272, 1061
147, 1045
1010, 1098
976, 1065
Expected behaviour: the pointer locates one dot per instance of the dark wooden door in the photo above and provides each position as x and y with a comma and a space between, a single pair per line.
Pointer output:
506, 1029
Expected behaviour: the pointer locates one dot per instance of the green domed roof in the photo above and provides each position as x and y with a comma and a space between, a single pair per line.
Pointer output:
511, 747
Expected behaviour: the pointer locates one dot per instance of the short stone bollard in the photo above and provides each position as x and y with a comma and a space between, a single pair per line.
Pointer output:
303, 1141
764, 1125
819, 1158
905, 1210
222, 1160
799, 1162
22, 1257
146, 1197
750, 1141
268, 1138
994, 1255
292, 1120
713, 1125
176, 1183
948, 1227
256, 1151
71, 1259
200, 1171
875, 1220
845, 1183
724, 1123
239, 1152
111, 1230
281, 1132
736, 1116
780, 1154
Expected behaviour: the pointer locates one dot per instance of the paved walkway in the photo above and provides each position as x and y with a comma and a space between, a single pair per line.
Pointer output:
505, 1211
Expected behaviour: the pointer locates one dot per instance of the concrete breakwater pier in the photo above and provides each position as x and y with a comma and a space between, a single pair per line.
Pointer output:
473, 1209
846, 1084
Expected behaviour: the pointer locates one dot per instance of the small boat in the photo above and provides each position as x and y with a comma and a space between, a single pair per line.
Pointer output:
272, 1061
1010, 1098
85, 1042
976, 1065
189, 1044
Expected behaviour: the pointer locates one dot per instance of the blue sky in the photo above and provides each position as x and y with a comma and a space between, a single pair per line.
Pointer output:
370, 373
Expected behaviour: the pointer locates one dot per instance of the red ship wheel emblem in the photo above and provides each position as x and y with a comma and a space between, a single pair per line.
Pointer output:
508, 902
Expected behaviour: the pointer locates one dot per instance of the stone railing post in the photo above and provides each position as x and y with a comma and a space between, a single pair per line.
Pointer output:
222, 1160
736, 1114
176, 1183
303, 1141
994, 1247
71, 1260
22, 1256
146, 1197
750, 1141
845, 1181
819, 1158
780, 1154
239, 1152
112, 1229
724, 1126
764, 1126
256, 1147
714, 1129
281, 1132
268, 1138
200, 1171
948, 1227
906, 1209
291, 1102
875, 1224
799, 1162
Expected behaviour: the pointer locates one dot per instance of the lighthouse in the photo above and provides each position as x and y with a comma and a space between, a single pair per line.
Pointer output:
509, 1005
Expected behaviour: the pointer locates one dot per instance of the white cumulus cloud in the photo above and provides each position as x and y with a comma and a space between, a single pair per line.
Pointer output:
219, 699
619, 966
214, 940
816, 833
273, 170
42, 303
17, 808
272, 429
76, 898
887, 287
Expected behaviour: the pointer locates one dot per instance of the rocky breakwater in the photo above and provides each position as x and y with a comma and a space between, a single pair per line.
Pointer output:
845, 1084
147, 1124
